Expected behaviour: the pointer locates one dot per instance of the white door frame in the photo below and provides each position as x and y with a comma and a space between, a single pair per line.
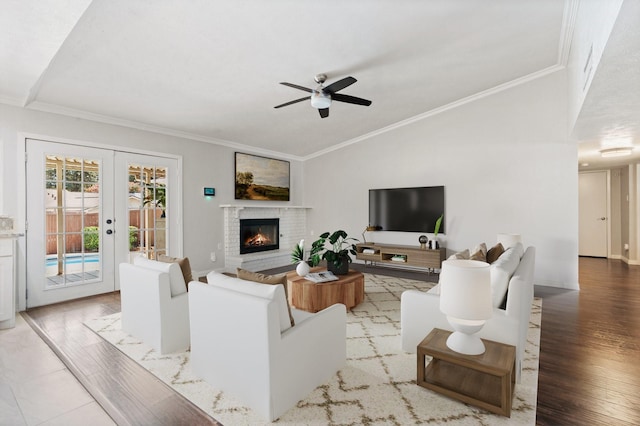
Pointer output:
21, 185
607, 207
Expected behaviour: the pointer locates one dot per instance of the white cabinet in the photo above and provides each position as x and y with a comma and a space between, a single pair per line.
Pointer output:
7, 283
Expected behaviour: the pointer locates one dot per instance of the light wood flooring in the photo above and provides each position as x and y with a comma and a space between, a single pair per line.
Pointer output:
589, 357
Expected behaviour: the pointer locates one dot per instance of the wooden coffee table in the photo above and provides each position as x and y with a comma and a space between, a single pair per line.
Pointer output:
314, 297
486, 381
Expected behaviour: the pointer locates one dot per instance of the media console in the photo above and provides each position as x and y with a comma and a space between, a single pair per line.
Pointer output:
400, 255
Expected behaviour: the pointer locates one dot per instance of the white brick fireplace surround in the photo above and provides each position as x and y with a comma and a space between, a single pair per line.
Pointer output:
293, 224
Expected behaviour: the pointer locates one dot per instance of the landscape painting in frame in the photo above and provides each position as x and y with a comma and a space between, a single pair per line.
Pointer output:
261, 178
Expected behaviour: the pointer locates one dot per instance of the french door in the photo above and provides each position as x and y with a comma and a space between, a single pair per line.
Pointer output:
89, 209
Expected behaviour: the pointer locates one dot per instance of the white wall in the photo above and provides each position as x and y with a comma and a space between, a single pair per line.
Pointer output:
204, 164
506, 164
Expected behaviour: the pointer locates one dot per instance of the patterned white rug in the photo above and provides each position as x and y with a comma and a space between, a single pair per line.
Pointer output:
376, 387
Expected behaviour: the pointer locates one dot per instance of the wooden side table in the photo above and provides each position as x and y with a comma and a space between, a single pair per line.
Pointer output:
486, 381
314, 297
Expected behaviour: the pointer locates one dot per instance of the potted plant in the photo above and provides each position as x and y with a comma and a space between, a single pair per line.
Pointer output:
337, 257
434, 242
297, 256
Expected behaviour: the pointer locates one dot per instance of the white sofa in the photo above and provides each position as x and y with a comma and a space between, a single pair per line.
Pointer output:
155, 305
420, 311
242, 342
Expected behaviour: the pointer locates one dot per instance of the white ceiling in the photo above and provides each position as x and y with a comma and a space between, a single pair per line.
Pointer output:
610, 116
210, 70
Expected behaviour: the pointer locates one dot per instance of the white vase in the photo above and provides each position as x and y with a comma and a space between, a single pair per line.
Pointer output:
303, 268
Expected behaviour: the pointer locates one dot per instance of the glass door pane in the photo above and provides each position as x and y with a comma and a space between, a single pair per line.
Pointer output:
147, 210
72, 206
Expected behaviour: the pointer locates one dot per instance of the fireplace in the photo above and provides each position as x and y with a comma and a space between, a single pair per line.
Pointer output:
259, 235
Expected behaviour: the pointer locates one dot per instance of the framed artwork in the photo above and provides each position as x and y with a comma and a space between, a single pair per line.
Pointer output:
261, 178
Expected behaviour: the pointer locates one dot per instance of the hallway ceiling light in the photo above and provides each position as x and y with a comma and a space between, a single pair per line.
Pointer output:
615, 152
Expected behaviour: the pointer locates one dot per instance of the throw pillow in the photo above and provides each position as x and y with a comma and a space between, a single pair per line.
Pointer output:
464, 254
479, 253
494, 253
257, 277
184, 266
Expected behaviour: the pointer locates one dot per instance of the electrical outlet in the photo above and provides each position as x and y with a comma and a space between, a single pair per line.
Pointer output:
213, 256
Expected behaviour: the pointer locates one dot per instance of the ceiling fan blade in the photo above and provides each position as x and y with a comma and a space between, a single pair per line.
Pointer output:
306, 98
295, 86
350, 99
339, 85
324, 112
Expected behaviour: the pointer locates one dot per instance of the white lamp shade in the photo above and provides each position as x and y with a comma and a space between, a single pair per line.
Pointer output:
509, 240
465, 289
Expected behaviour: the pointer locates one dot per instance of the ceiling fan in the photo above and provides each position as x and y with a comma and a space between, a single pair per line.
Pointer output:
321, 96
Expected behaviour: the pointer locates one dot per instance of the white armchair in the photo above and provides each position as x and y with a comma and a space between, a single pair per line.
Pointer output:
420, 313
149, 310
242, 342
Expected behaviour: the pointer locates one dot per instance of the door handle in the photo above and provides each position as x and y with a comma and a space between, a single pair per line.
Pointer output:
109, 232
603, 218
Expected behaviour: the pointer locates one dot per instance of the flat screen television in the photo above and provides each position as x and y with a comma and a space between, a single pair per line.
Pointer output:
406, 209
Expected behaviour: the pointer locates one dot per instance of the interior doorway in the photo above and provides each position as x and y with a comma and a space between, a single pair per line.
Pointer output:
593, 217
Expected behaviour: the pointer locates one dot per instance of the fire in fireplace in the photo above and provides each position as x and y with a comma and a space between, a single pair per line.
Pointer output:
259, 235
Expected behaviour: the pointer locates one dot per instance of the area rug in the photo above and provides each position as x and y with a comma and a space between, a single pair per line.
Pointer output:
377, 386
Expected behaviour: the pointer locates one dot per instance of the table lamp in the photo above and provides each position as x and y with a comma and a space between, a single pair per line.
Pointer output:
465, 298
509, 240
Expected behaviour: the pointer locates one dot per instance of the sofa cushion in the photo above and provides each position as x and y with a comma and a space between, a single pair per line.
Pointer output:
494, 253
184, 266
501, 271
270, 292
176, 279
257, 277
479, 253
464, 254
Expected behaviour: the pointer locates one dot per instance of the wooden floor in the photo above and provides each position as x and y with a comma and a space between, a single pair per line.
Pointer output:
589, 357
590, 348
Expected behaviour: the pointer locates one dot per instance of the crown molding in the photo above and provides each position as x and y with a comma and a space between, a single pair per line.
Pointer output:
444, 108
105, 119
566, 34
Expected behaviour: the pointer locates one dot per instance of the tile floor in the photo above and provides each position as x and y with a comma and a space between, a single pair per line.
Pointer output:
36, 388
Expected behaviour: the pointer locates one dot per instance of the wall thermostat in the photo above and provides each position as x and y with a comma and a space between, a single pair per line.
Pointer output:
209, 192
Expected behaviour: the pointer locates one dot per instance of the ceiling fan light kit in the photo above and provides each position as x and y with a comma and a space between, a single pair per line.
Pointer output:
320, 100
322, 97
615, 152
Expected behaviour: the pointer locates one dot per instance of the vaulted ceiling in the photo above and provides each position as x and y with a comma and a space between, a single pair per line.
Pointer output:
210, 70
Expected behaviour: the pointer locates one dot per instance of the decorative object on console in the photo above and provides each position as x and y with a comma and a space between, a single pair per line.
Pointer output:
433, 244
423, 241
261, 178
509, 240
337, 258
465, 298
